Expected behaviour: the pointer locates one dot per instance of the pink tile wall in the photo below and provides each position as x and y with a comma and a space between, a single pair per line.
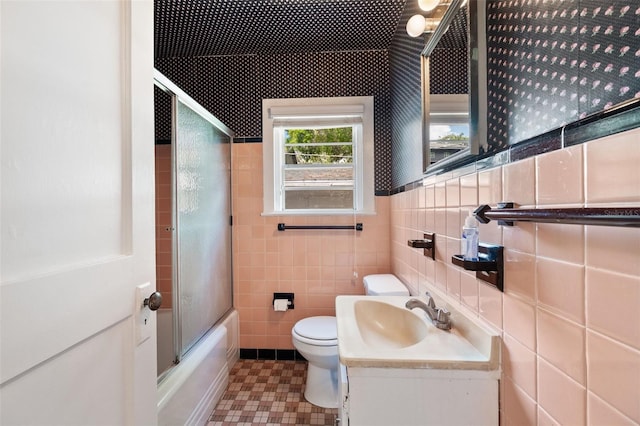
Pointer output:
163, 221
570, 313
314, 265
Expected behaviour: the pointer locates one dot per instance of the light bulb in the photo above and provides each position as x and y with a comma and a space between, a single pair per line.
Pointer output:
428, 5
415, 25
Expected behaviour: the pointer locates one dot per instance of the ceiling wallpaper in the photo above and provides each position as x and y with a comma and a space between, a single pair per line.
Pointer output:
240, 27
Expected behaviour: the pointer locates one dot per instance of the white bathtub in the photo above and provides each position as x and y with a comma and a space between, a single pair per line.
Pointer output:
190, 391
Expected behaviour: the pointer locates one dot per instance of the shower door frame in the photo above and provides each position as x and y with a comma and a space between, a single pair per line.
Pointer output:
178, 95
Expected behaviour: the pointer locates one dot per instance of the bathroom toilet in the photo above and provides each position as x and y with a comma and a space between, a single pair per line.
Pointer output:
384, 285
316, 338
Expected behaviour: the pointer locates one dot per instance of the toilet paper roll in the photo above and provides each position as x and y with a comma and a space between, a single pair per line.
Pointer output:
280, 305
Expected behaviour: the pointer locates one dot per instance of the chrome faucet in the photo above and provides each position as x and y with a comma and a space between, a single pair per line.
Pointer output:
439, 316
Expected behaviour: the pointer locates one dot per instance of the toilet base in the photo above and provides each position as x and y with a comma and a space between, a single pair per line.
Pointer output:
321, 388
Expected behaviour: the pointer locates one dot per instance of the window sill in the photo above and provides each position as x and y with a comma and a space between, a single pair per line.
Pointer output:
320, 213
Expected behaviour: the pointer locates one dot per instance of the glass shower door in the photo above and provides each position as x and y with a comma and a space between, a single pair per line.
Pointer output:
202, 247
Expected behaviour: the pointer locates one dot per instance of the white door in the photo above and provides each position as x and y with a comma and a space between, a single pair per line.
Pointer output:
77, 220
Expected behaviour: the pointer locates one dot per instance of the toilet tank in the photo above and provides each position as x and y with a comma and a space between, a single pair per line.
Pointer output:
384, 285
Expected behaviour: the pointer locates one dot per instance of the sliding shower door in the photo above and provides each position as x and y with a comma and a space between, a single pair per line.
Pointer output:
202, 244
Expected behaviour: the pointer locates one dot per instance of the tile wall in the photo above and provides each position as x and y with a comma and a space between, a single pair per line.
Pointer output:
163, 221
314, 265
570, 312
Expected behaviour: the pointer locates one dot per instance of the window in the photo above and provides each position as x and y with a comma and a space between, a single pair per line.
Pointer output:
319, 167
318, 155
448, 125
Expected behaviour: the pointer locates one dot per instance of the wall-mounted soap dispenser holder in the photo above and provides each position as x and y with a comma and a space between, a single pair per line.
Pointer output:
490, 264
428, 244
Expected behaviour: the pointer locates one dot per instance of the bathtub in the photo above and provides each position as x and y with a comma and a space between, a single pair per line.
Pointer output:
190, 391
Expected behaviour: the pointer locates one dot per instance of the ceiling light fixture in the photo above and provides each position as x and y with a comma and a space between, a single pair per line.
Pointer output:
428, 5
418, 25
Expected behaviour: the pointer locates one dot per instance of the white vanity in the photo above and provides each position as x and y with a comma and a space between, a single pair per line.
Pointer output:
397, 368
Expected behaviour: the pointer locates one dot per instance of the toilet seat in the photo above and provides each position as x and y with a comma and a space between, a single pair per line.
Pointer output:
318, 331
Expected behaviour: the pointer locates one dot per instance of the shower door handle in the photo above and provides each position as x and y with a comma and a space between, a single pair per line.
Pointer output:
154, 301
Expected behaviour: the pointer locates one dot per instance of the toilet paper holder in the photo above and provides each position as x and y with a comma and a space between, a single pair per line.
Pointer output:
287, 296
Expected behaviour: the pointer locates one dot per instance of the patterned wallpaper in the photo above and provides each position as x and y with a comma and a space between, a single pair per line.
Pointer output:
162, 116
448, 61
406, 127
191, 28
448, 75
232, 88
448, 71
548, 67
549, 63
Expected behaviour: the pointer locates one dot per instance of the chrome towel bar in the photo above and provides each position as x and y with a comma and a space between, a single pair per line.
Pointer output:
283, 227
506, 214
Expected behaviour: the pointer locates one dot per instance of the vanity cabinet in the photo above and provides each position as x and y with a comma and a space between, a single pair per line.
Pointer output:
409, 396
397, 368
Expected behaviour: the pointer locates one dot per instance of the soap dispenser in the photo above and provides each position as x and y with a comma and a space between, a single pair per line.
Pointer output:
470, 238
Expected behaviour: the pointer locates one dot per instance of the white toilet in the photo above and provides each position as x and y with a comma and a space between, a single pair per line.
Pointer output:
384, 285
316, 338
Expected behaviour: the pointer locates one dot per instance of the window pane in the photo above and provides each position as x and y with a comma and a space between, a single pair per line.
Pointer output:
330, 199
314, 176
319, 168
319, 146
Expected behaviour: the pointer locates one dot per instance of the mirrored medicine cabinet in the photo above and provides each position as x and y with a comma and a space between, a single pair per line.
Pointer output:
453, 124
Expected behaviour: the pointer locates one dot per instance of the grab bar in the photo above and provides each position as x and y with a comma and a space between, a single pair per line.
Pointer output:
506, 214
283, 227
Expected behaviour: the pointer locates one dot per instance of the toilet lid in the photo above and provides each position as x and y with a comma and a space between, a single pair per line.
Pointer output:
317, 328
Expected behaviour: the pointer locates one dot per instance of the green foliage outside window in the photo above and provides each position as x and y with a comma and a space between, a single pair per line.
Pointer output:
319, 154
454, 137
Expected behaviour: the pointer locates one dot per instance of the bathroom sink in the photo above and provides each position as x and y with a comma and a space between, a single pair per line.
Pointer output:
384, 325
379, 331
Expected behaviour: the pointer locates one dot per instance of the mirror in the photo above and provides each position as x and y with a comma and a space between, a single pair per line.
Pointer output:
454, 97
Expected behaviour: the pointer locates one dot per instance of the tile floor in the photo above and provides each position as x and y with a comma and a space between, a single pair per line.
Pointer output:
269, 393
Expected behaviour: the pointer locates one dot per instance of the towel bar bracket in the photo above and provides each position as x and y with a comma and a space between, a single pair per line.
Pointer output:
428, 244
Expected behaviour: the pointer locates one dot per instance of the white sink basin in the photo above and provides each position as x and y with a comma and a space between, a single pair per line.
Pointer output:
379, 331
382, 325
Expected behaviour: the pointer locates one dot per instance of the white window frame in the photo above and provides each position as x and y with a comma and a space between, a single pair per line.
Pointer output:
342, 109
449, 109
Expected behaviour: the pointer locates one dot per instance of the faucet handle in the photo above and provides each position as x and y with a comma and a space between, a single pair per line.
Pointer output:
443, 321
430, 301
443, 315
